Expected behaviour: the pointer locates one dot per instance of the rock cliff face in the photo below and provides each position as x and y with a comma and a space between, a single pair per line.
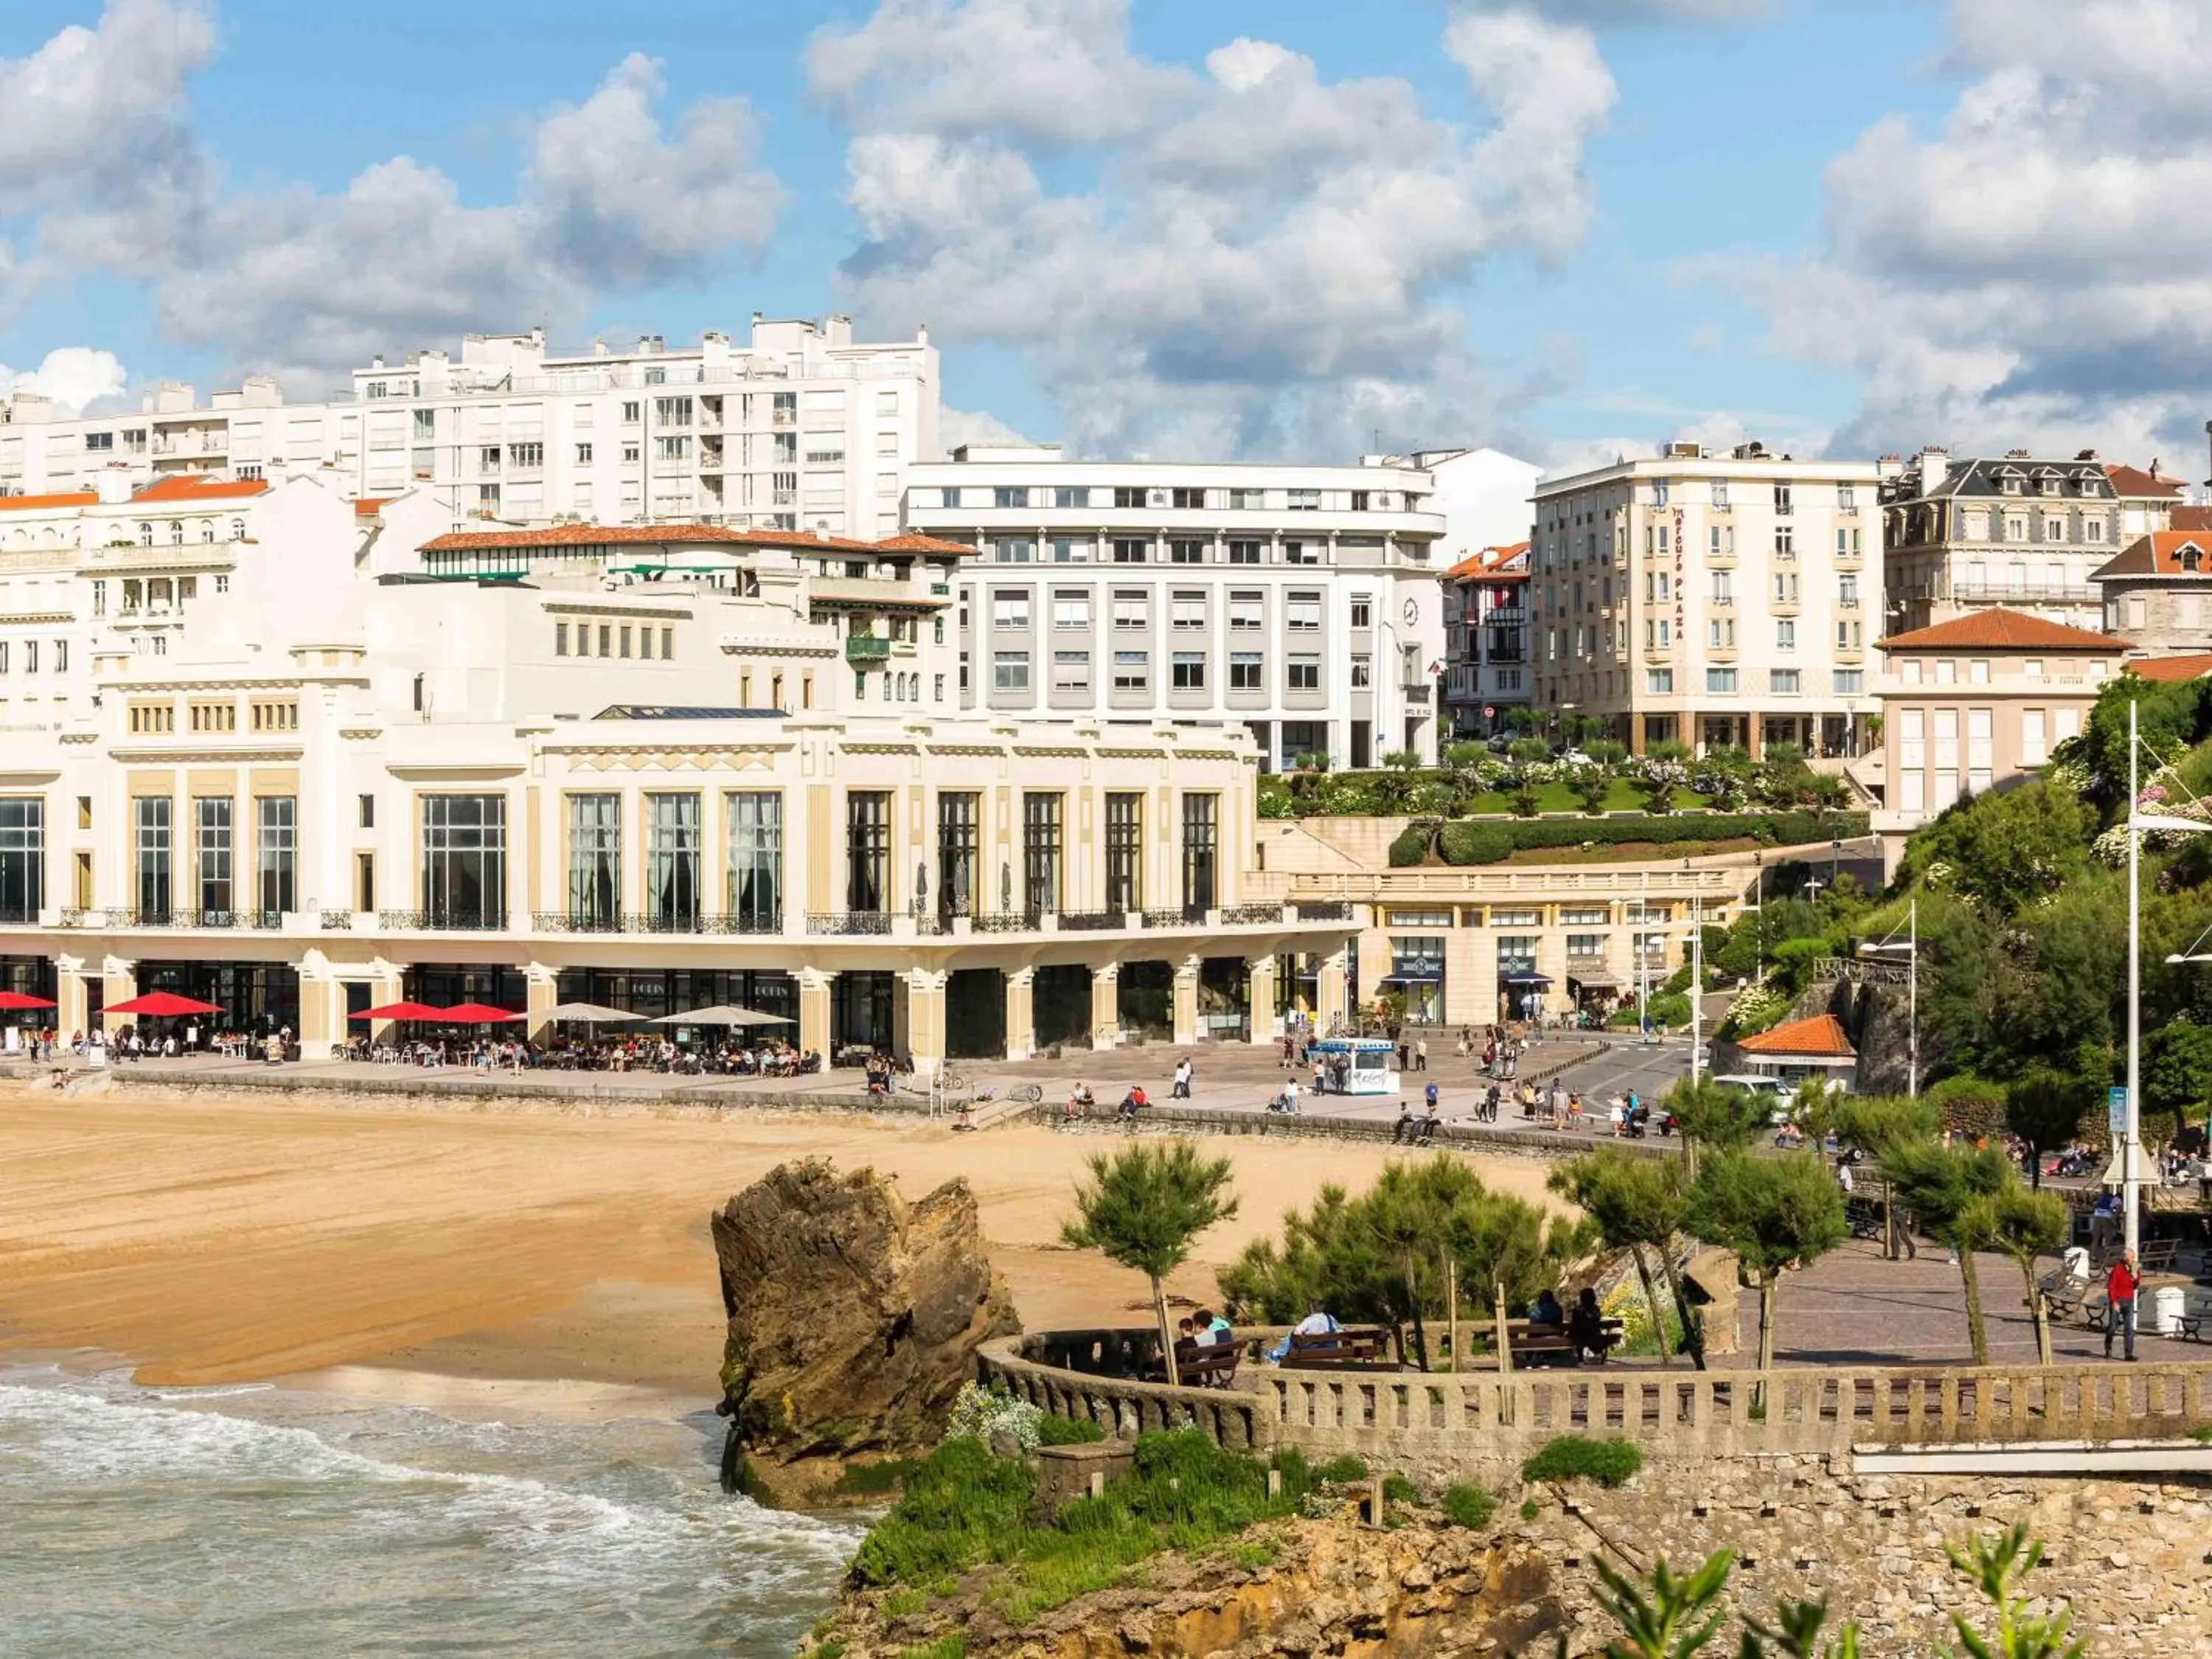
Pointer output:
854, 1319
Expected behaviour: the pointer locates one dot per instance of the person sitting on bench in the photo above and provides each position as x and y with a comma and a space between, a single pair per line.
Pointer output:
1209, 1329
1317, 1323
1547, 1310
1404, 1132
1428, 1127
1586, 1327
1135, 1101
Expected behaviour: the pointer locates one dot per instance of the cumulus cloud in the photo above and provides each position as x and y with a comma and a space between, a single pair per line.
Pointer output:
1258, 260
100, 171
955, 426
2032, 272
1650, 11
75, 377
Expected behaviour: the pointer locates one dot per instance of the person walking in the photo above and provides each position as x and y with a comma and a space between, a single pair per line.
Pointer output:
2120, 1287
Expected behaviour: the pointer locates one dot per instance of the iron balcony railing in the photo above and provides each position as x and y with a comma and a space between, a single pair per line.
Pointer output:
1090, 921
337, 921
867, 648
1007, 921
652, 921
1184, 915
848, 921
1246, 916
1324, 910
443, 921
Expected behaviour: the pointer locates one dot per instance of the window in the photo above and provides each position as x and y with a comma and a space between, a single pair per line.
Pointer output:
1184, 551
629, 414
1013, 550
1781, 499
150, 851
1067, 495
1131, 549
1071, 610
1979, 748
1720, 492
1302, 674
1131, 671
1188, 610
531, 454
1785, 635
1847, 498
668, 642
487, 459
1128, 496
1246, 552
1363, 610
677, 448
1186, 499
1010, 608
1977, 672
1301, 612
1362, 673
1071, 670
2093, 529
583, 454
1248, 610
959, 814
146, 719
22, 858
867, 851
1784, 682
1720, 679
1131, 608
1070, 550
1202, 817
1722, 541
364, 881
595, 863
1039, 852
1785, 541
1659, 491
465, 860
1010, 671
671, 862
754, 897
1659, 680
1911, 738
99, 440
1849, 682
1304, 500
1010, 495
560, 639
2034, 748
1125, 861
1187, 671
1723, 586
1247, 670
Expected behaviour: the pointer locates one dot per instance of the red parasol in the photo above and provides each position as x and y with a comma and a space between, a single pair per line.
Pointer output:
403, 1011
156, 1005
479, 1013
16, 1002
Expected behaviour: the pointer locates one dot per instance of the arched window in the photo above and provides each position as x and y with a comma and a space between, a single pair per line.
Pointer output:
176, 534
145, 535
238, 529
207, 530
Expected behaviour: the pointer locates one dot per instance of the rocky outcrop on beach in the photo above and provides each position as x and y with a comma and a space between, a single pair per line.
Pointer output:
854, 1320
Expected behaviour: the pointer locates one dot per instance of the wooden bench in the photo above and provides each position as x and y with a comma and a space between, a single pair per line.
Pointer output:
1864, 1217
1203, 1365
1550, 1345
2067, 1294
1367, 1350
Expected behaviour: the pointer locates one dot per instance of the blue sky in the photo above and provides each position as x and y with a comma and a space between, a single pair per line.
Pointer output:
1719, 274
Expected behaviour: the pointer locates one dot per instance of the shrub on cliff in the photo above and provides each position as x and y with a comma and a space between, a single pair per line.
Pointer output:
1577, 1458
1469, 1507
1466, 840
1411, 846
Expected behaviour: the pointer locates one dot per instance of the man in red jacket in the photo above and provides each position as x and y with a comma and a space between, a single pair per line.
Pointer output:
2120, 1287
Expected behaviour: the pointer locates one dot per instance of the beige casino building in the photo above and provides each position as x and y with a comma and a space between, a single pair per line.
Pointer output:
297, 756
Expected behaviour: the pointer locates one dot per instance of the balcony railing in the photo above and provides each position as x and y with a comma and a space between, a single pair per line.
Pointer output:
867, 648
1182, 915
19, 914
1007, 921
337, 921
443, 921
653, 922
1324, 910
848, 921
129, 916
1091, 922
1249, 915
2064, 593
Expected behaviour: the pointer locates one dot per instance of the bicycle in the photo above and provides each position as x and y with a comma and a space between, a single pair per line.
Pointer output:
1028, 1093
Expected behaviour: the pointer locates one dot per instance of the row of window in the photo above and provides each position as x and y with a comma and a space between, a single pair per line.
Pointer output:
1932, 762
176, 532
1173, 498
615, 639
1660, 587
1785, 495
1143, 549
25, 656
1187, 609
2021, 527
205, 869
1780, 682
1186, 671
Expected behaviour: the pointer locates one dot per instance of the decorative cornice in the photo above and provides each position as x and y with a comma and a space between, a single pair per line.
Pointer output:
615, 612
208, 752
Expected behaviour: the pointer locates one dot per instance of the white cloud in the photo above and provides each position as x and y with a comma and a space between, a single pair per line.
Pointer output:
1655, 11
1264, 264
2035, 271
955, 426
102, 173
73, 376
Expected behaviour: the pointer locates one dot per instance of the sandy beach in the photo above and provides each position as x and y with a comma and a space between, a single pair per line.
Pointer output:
452, 1258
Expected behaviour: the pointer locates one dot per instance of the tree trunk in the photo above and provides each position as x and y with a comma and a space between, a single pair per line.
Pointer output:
1768, 1284
1413, 1302
1451, 1307
1651, 1301
1693, 1332
1167, 1333
1504, 1341
2035, 1179
1978, 1336
2041, 1312
1889, 1246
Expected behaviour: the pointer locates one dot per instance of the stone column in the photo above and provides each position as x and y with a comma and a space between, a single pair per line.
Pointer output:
1021, 1013
322, 1007
1106, 1005
925, 1018
1266, 1025
1551, 963
69, 999
119, 982
1186, 1000
1331, 990
541, 991
387, 983
814, 1012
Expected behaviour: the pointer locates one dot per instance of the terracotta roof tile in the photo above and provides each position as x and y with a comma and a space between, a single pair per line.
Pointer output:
1490, 562
2198, 519
369, 507
2159, 554
1821, 1035
664, 535
199, 487
2134, 481
47, 503
1999, 629
2171, 668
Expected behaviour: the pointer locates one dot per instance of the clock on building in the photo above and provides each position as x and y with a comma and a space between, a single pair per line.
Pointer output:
1412, 611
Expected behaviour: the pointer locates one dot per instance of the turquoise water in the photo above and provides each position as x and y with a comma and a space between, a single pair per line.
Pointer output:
251, 1522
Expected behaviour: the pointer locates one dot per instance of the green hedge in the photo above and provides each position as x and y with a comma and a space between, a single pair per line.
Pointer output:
1775, 829
1470, 841
1412, 845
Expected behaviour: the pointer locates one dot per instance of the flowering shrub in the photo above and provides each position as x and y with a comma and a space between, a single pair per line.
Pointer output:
978, 1414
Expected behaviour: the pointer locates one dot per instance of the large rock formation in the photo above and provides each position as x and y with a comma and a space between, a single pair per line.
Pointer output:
854, 1319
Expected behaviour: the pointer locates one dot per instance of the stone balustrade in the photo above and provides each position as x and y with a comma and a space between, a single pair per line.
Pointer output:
1445, 1423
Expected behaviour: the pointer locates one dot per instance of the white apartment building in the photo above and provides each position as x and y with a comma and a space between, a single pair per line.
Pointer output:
1710, 598
636, 765
803, 427
1299, 602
